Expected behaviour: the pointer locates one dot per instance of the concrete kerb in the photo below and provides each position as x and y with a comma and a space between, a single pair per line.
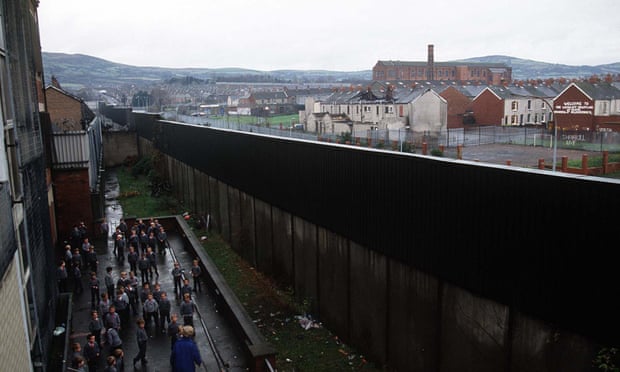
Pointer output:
258, 349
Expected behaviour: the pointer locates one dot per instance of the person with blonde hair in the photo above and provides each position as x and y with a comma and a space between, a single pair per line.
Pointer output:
185, 354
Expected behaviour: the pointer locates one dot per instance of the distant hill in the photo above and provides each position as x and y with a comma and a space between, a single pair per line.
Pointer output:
524, 69
75, 71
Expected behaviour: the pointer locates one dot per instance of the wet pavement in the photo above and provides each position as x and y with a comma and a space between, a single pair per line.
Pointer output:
219, 348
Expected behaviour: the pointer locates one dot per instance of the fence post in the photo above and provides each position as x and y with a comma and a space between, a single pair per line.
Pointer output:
424, 148
564, 163
459, 152
584, 164
541, 163
605, 161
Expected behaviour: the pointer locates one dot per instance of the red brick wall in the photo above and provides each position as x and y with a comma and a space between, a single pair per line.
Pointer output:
458, 103
573, 120
63, 109
488, 109
73, 201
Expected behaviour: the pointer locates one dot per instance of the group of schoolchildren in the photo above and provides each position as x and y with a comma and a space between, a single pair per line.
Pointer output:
113, 302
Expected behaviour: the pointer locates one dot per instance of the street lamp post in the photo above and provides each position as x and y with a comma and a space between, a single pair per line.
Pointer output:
555, 131
555, 140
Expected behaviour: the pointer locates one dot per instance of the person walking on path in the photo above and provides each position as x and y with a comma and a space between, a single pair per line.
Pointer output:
185, 289
114, 340
119, 357
78, 286
162, 240
132, 292
104, 229
68, 257
187, 310
177, 273
141, 338
108, 279
110, 364
152, 240
119, 246
164, 311
143, 265
152, 258
62, 276
91, 352
173, 329
185, 354
151, 310
95, 326
112, 319
144, 241
196, 274
91, 259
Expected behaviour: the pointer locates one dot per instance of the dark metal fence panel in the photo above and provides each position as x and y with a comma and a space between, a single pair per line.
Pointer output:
522, 237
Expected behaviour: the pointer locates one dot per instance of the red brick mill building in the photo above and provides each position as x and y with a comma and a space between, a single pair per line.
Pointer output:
485, 73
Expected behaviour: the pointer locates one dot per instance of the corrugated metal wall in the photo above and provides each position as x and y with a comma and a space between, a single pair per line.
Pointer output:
526, 238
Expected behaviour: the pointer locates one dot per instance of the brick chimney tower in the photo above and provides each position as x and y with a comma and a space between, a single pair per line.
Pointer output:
430, 63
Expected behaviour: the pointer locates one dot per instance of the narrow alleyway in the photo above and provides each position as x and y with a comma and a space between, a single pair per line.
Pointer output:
219, 348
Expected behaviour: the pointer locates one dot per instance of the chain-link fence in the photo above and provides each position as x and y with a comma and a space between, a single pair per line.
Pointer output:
412, 141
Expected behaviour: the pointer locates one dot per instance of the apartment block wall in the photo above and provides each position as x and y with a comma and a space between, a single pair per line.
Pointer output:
14, 353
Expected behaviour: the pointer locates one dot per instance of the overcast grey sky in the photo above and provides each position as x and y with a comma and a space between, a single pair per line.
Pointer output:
343, 35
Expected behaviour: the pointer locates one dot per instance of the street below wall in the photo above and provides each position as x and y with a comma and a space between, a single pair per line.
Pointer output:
519, 156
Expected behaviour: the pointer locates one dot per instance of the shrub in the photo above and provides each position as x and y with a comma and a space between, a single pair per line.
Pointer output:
437, 152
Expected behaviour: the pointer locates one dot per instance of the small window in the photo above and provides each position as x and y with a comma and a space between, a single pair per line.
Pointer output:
515, 105
514, 120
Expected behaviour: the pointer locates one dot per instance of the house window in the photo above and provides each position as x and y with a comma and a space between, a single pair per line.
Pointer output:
529, 119
514, 105
367, 108
529, 104
514, 120
521, 119
389, 109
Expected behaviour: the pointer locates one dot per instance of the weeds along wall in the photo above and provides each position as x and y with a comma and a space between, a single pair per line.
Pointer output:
420, 262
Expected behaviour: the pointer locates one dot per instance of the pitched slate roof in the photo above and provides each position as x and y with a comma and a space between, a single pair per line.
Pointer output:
599, 91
